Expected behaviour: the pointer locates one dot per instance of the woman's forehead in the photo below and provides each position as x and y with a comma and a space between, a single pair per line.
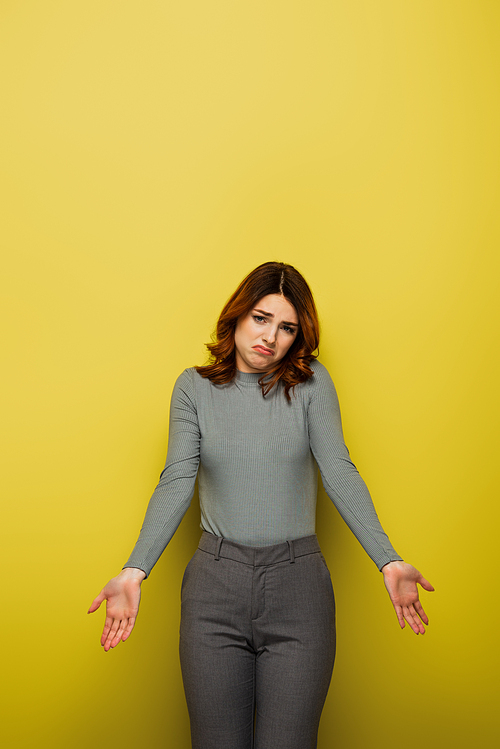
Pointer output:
275, 305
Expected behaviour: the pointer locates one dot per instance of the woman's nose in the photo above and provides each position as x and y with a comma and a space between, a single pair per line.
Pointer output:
269, 335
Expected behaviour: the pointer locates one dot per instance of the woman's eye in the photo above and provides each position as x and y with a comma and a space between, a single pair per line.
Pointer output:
258, 318
288, 329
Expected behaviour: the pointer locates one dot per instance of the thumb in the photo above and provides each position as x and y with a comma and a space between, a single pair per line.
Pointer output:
425, 584
96, 603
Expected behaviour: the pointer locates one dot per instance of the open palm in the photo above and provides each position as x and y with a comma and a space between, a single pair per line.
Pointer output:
122, 595
401, 581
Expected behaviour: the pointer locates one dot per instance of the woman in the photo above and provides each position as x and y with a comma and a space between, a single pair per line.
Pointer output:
257, 637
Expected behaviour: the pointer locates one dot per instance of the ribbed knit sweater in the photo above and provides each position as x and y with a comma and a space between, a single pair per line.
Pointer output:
256, 459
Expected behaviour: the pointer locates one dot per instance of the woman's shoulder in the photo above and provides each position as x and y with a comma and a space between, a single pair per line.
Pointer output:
321, 374
318, 368
186, 376
320, 384
191, 382
190, 389
185, 382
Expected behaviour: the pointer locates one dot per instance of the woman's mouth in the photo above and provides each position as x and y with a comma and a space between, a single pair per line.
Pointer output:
263, 350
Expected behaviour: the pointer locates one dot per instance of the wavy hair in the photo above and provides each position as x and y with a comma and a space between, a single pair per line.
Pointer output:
269, 278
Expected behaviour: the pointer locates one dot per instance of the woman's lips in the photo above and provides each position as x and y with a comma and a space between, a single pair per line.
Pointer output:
263, 350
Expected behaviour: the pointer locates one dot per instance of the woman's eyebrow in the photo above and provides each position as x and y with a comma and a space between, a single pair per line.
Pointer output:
270, 314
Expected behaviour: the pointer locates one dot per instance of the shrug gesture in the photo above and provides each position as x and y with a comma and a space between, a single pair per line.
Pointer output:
401, 581
122, 595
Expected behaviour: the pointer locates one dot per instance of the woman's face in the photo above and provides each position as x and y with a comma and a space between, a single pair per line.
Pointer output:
264, 335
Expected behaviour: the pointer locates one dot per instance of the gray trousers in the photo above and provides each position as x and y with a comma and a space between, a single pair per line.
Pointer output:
257, 643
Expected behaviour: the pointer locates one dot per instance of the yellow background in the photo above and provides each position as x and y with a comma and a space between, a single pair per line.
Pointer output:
151, 154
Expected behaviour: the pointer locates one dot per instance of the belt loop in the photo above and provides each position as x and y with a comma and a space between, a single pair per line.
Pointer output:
292, 551
217, 549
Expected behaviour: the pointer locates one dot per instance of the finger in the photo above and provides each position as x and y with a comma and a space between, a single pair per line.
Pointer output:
128, 628
425, 584
412, 623
416, 625
96, 603
399, 614
119, 634
111, 634
107, 627
420, 611
411, 617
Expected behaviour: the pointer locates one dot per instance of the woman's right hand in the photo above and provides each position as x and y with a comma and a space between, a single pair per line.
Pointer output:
122, 595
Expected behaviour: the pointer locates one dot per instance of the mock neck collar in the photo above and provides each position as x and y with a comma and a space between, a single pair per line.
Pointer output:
248, 378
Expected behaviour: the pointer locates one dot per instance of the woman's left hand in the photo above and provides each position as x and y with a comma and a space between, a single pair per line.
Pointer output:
401, 581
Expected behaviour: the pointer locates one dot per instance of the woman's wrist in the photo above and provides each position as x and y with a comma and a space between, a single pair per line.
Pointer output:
133, 573
390, 565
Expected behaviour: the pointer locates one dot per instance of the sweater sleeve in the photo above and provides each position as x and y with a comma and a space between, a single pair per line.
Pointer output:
173, 494
341, 480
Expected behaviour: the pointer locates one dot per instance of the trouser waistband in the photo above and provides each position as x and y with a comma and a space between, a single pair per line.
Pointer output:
258, 555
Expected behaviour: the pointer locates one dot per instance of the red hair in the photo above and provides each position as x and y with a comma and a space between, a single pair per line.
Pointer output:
269, 278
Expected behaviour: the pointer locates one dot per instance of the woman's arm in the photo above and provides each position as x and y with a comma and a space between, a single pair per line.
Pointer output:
174, 492
166, 508
340, 477
349, 493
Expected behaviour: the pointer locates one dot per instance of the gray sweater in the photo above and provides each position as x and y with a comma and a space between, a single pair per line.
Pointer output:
256, 459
